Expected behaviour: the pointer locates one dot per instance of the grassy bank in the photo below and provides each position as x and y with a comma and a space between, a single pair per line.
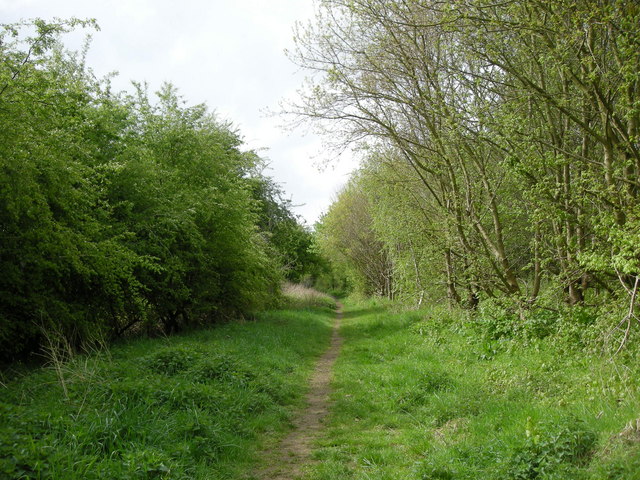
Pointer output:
196, 405
431, 395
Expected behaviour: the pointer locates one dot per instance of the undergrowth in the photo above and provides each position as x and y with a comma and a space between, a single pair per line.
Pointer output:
196, 405
436, 394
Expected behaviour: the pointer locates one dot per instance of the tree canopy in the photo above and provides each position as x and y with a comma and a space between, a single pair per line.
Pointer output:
503, 135
123, 211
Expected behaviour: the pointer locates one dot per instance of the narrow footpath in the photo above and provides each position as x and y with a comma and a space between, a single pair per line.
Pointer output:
286, 462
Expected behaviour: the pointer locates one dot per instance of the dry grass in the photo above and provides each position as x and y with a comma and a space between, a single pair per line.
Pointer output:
299, 296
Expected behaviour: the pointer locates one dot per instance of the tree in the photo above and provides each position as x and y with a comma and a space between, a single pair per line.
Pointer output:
519, 119
347, 238
117, 211
291, 241
393, 76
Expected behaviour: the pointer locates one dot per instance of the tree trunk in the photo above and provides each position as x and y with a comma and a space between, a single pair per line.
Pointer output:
452, 293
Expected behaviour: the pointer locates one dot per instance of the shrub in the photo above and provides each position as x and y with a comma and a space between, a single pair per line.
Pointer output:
496, 319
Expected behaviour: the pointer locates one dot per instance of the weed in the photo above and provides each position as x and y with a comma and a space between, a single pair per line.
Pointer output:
551, 449
58, 352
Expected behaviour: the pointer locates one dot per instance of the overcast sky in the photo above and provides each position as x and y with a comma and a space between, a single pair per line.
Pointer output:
226, 53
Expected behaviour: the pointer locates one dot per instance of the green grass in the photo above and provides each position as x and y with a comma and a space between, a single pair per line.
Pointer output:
427, 395
422, 395
193, 406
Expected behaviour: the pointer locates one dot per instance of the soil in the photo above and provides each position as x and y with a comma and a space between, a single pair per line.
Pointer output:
289, 458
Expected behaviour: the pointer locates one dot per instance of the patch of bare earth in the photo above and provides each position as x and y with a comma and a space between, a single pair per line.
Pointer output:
287, 460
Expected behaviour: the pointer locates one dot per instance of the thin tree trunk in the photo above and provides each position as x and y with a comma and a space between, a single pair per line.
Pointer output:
452, 293
537, 268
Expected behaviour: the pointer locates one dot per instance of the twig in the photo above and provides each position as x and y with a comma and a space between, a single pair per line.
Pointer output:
630, 315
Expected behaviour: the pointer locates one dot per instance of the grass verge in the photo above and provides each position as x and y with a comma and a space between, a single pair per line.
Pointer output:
191, 406
423, 395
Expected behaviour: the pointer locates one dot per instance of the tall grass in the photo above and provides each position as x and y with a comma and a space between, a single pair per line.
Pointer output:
300, 296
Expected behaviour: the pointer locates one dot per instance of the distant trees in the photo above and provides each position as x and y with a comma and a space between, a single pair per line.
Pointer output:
120, 211
346, 237
505, 136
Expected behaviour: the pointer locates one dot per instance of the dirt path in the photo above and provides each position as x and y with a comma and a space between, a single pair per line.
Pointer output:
294, 452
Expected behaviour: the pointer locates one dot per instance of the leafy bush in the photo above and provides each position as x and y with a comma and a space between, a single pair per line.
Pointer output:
149, 214
569, 328
496, 319
538, 324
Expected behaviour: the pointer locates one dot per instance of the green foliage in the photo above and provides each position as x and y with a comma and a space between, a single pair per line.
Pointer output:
501, 324
500, 145
124, 212
347, 239
405, 220
63, 264
550, 449
291, 241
